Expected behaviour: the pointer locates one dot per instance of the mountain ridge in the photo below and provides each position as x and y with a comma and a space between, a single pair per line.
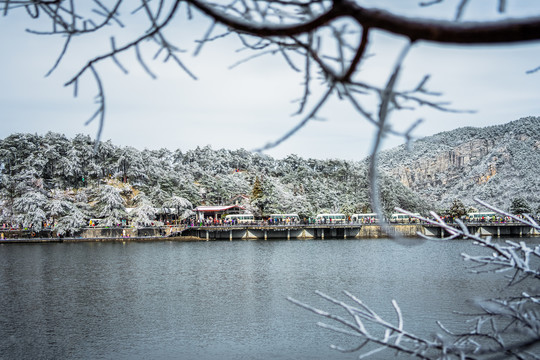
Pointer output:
495, 163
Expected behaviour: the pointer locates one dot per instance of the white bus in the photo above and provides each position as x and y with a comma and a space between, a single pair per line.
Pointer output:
330, 218
482, 216
284, 218
240, 218
365, 218
403, 218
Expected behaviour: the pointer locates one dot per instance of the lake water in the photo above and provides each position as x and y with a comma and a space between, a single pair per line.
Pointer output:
220, 300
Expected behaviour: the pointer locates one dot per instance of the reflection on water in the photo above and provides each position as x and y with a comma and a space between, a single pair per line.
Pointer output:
219, 300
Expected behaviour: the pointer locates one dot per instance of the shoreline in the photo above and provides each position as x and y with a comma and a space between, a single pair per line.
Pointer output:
290, 232
98, 239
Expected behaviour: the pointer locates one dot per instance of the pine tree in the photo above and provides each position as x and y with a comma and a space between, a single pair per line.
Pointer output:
257, 190
144, 214
71, 222
110, 205
520, 206
457, 210
59, 205
30, 210
262, 197
65, 214
181, 206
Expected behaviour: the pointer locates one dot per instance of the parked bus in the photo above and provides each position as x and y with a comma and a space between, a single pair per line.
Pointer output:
365, 218
330, 218
284, 218
240, 218
481, 216
403, 218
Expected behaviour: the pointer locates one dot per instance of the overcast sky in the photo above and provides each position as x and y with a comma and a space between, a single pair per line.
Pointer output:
250, 105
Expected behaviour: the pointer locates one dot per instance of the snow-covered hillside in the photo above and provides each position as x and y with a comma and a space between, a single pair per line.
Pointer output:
496, 164
53, 178
102, 184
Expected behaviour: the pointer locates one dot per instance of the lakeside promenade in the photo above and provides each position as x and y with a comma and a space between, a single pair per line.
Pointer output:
265, 232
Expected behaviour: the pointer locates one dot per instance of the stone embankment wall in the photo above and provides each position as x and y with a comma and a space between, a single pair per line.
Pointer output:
375, 231
269, 233
120, 232
89, 233
308, 232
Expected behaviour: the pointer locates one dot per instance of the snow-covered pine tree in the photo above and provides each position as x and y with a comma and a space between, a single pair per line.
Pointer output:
65, 214
30, 210
256, 191
457, 210
181, 207
144, 213
520, 206
71, 222
110, 205
59, 204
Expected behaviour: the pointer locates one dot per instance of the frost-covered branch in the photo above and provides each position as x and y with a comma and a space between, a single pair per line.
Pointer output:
527, 220
384, 109
292, 29
362, 317
511, 256
503, 328
500, 321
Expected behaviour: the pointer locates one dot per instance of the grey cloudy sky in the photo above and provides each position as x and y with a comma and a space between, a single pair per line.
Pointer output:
250, 105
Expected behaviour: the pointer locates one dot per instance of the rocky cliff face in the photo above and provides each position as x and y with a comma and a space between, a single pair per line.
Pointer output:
495, 164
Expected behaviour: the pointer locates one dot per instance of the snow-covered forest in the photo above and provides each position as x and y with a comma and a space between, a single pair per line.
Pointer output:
52, 178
